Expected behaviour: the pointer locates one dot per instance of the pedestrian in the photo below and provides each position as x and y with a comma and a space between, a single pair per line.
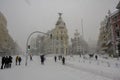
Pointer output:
10, 61
3, 62
42, 59
55, 58
96, 57
6, 62
19, 59
16, 60
63, 60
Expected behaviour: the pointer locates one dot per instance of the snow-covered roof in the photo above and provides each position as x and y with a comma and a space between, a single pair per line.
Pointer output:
118, 6
115, 12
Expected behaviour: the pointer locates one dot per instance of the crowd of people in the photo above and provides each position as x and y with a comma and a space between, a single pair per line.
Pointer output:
60, 57
6, 62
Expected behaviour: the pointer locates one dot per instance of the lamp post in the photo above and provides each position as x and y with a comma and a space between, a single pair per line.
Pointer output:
28, 46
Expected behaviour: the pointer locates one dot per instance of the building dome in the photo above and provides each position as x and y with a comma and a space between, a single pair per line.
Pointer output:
60, 21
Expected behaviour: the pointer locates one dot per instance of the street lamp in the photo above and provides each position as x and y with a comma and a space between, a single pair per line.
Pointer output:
28, 46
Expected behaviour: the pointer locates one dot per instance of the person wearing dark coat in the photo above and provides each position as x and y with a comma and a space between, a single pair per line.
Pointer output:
10, 61
6, 62
96, 57
63, 60
19, 59
3, 62
55, 58
42, 59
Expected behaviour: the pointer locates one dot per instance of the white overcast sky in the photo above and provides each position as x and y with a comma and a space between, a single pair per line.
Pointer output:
26, 16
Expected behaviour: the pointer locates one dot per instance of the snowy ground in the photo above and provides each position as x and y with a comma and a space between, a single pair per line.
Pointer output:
76, 68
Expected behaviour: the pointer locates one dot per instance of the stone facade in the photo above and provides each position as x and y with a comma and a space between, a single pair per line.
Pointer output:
6, 42
109, 37
56, 42
79, 45
115, 23
105, 37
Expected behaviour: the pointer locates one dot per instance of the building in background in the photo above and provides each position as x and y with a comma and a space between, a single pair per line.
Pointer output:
56, 42
109, 36
105, 37
7, 44
115, 22
79, 45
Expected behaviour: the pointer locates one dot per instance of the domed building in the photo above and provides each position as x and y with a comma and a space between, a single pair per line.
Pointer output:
60, 36
57, 40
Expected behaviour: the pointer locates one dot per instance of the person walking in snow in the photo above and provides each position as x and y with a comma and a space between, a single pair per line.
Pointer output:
10, 61
6, 62
3, 62
55, 58
16, 60
19, 59
42, 59
96, 57
63, 60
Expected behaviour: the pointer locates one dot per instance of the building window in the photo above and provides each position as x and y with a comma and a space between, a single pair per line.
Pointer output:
115, 18
117, 27
118, 34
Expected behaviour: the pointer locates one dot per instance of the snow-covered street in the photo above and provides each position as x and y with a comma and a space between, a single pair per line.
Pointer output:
73, 70
59, 39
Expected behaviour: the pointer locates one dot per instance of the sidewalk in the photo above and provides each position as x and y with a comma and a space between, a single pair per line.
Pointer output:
108, 72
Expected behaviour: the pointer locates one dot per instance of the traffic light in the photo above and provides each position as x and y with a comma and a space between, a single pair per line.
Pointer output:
28, 47
50, 36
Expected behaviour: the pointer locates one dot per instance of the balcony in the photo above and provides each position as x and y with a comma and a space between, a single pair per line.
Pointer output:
117, 28
118, 38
